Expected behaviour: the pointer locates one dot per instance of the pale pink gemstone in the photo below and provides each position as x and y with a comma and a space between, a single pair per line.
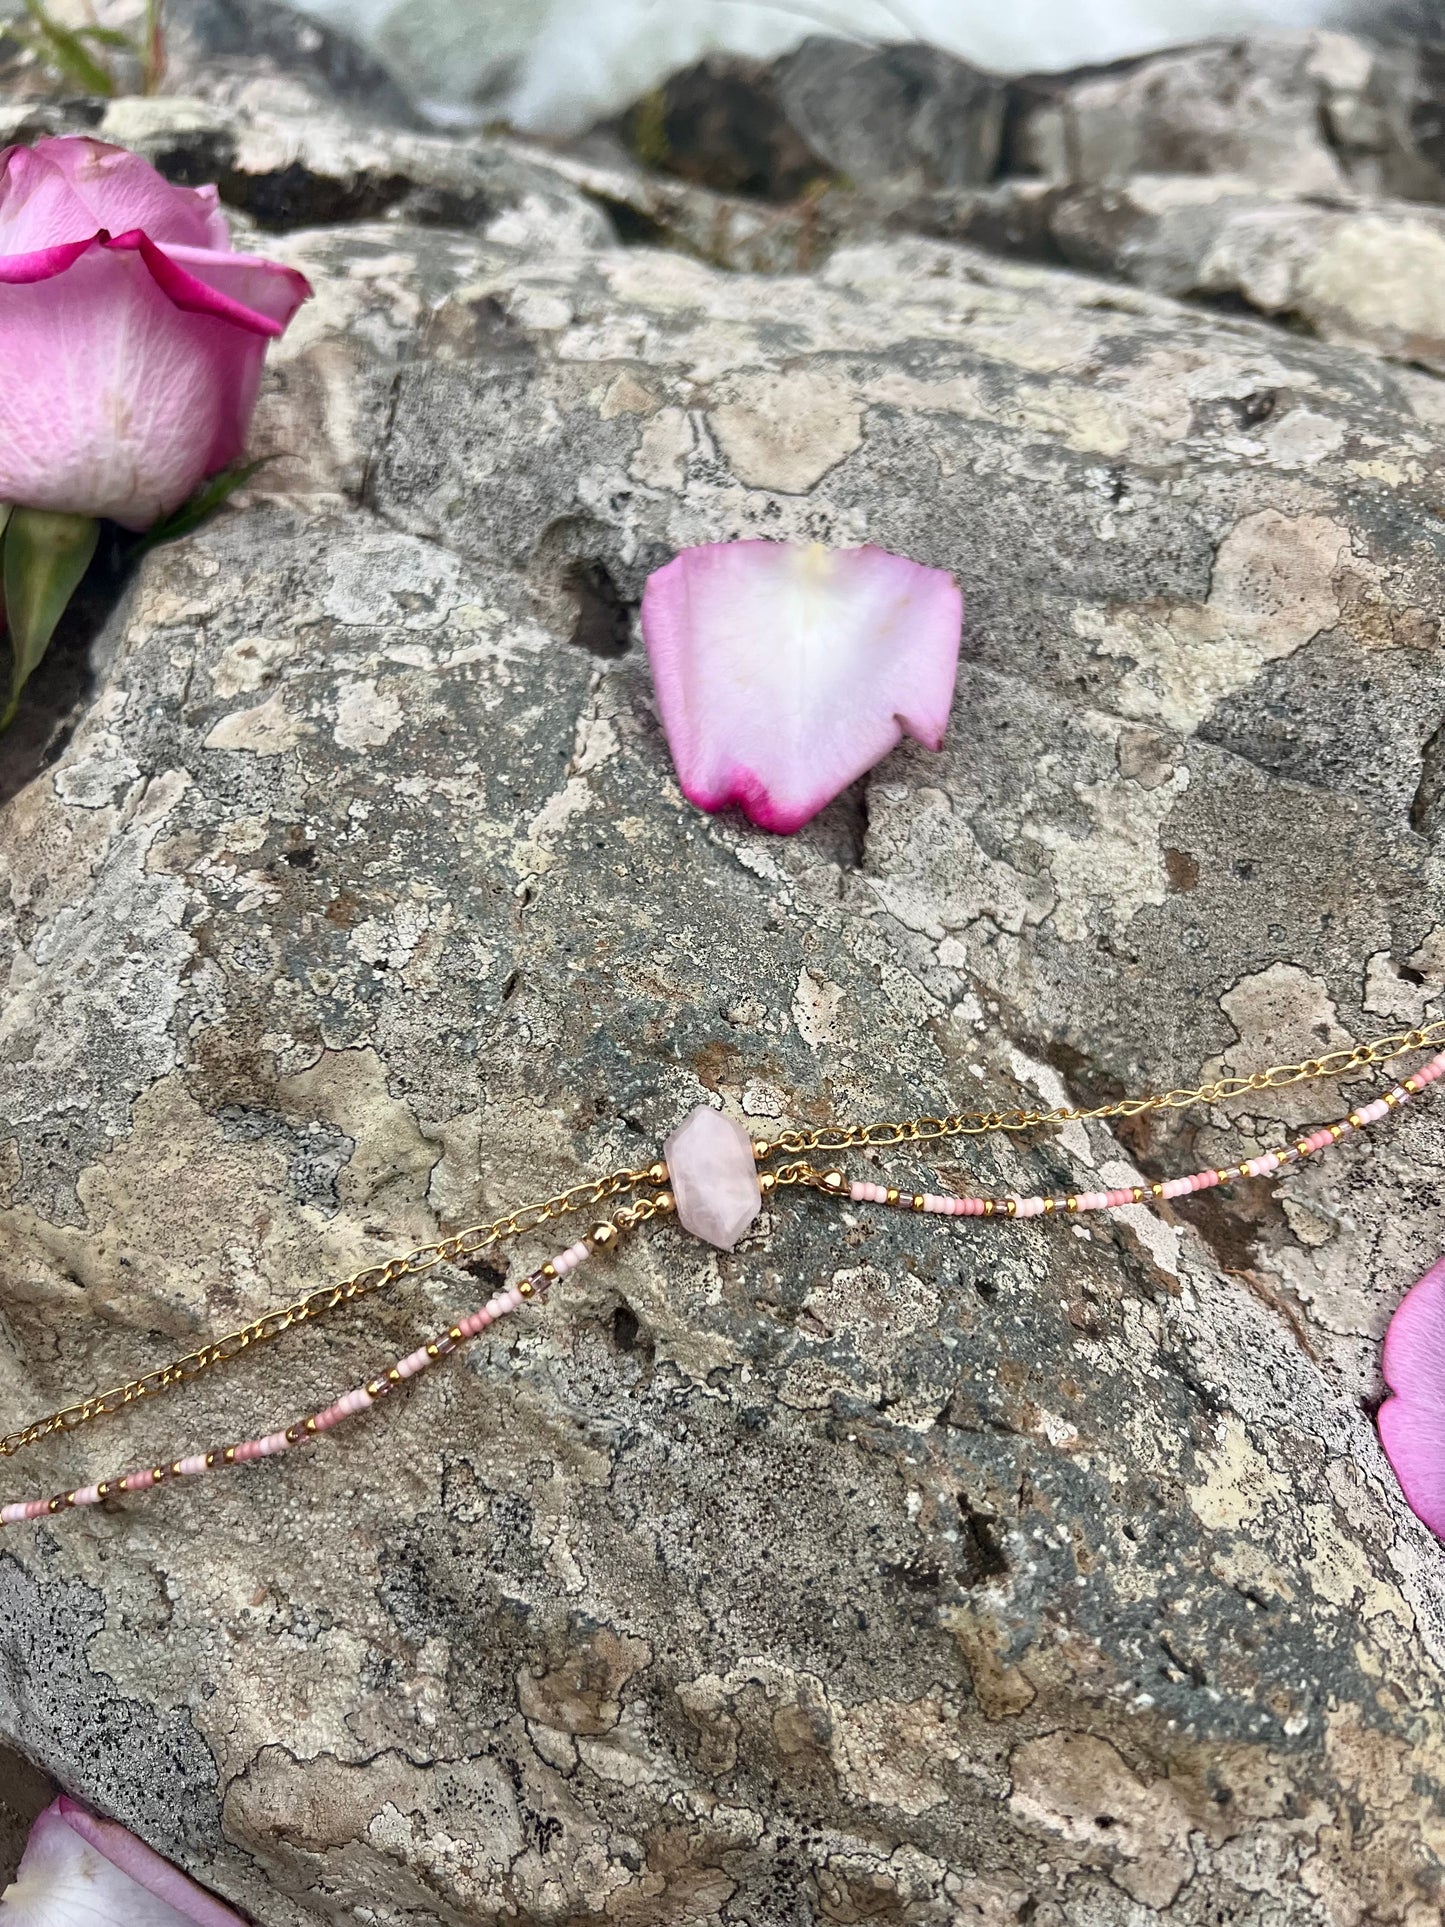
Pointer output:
714, 1177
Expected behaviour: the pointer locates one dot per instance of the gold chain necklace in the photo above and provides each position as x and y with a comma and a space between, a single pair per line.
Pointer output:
467, 1248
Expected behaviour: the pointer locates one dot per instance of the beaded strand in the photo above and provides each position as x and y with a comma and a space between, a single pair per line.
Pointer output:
360, 1399
534, 1287
1263, 1166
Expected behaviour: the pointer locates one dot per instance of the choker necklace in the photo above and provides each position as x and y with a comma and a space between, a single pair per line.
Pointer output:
713, 1177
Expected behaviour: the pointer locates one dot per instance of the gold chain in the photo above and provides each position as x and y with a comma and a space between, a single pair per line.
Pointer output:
459, 1248
927, 1130
463, 1246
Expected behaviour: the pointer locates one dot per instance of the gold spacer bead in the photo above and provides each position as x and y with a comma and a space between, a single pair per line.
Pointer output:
1303, 1148
102, 1490
1139, 1193
1243, 1170
1224, 1176
1013, 1205
1357, 1120
1336, 1132
310, 1427
158, 1474
1389, 1099
550, 1272
762, 1149
393, 1376
893, 1196
767, 1182
1156, 1190
295, 1434
376, 1388
601, 1236
455, 1334
989, 1207
433, 1350
1051, 1205
918, 1201
176, 1472
56, 1504
657, 1173
228, 1457
525, 1288
1071, 1204
833, 1181
664, 1202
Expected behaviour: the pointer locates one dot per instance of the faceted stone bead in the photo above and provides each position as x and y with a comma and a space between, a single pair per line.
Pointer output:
714, 1177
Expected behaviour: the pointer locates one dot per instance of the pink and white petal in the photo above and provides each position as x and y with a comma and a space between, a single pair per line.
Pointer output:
122, 191
784, 672
39, 209
78, 1871
246, 289
1412, 1422
124, 403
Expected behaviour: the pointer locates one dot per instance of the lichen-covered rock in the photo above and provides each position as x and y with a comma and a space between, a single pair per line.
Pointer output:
1300, 114
880, 1570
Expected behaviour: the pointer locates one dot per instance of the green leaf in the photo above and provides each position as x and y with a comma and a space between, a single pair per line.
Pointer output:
202, 505
44, 556
124, 43
68, 52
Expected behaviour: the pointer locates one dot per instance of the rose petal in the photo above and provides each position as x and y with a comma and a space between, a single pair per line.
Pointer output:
783, 672
244, 289
71, 188
81, 1871
124, 403
1412, 1423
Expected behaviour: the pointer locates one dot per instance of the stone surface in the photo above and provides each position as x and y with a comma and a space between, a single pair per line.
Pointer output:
906, 116
711, 1170
886, 1570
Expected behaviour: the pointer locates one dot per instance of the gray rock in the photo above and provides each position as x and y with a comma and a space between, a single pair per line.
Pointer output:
1300, 114
907, 117
910, 116
1370, 273
879, 1571
218, 45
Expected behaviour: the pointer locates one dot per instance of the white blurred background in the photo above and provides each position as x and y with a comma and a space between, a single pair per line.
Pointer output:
555, 66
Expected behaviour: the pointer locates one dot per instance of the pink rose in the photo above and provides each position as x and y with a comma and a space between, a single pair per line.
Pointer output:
131, 337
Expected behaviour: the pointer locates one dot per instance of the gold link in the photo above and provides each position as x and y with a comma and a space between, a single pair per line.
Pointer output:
220, 1351
471, 1242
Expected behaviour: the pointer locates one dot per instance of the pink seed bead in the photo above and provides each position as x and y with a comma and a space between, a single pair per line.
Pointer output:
36, 1508
1372, 1113
86, 1495
13, 1514
511, 1299
190, 1468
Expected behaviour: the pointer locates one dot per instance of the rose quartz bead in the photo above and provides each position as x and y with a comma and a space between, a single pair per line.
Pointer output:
714, 1177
